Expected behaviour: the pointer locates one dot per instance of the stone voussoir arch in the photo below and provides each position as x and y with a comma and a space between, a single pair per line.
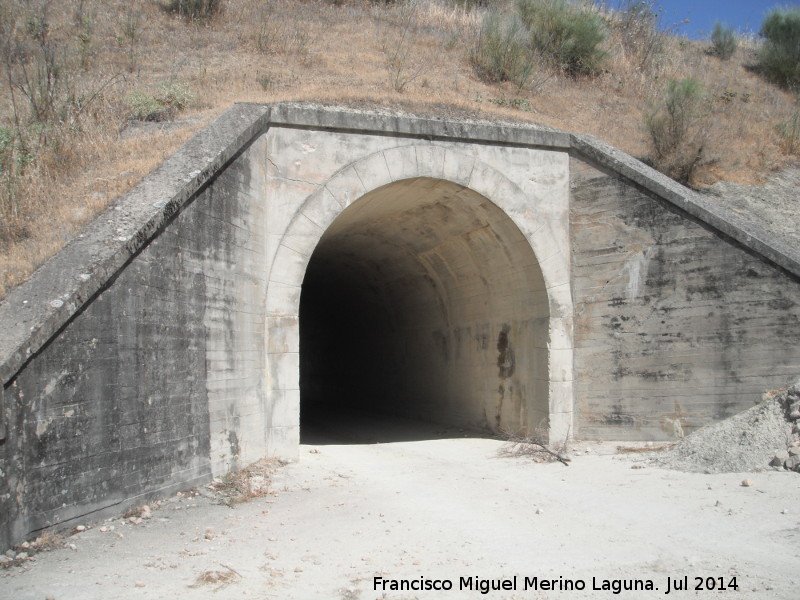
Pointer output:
430, 160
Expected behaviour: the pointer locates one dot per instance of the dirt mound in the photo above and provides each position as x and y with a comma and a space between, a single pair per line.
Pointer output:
752, 440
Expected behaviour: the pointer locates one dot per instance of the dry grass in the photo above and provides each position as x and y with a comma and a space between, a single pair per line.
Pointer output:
245, 484
317, 51
534, 446
216, 578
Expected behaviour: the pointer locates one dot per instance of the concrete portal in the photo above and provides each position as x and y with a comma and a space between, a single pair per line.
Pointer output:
424, 300
483, 276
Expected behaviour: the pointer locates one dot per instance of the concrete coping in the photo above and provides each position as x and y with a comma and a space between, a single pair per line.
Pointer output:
34, 312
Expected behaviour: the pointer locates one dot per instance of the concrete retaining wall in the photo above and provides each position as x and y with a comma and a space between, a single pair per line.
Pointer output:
676, 325
489, 276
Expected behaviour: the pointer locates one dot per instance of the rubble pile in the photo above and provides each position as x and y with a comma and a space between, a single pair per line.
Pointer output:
789, 458
768, 434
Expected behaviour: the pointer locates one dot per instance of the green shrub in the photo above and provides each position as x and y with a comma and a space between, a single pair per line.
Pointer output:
144, 107
175, 94
196, 10
675, 129
171, 97
723, 41
502, 52
779, 57
569, 33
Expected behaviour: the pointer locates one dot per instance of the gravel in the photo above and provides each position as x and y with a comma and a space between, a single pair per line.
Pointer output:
745, 442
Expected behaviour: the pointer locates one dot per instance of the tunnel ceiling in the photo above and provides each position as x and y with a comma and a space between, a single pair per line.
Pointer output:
423, 299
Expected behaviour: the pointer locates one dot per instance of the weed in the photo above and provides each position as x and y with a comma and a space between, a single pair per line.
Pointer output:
277, 32
535, 446
130, 32
789, 131
723, 42
397, 46
218, 578
85, 24
195, 10
501, 52
172, 97
243, 485
643, 40
146, 108
570, 34
518, 103
779, 58
676, 136
266, 81
175, 94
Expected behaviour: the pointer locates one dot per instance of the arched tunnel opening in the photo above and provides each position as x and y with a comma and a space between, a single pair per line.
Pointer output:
423, 302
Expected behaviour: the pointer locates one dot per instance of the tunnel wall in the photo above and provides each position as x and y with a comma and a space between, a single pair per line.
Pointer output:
676, 325
156, 384
161, 346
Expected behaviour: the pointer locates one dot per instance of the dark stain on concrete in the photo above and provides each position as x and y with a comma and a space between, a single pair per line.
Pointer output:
505, 356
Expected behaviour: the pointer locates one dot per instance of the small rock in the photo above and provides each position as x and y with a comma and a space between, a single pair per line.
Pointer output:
144, 512
747, 483
780, 457
4, 560
140, 584
298, 570
539, 511
80, 528
24, 545
785, 511
792, 463
103, 529
72, 547
718, 503
10, 553
22, 556
794, 450
135, 520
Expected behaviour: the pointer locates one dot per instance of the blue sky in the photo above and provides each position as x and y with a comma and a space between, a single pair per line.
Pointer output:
743, 15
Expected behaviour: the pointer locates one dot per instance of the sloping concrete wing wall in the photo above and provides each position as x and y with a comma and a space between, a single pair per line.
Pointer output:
494, 277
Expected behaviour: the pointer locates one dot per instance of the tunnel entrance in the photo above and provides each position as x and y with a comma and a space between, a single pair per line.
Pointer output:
424, 301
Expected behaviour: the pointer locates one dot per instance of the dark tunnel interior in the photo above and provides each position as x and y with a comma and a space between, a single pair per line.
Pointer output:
413, 303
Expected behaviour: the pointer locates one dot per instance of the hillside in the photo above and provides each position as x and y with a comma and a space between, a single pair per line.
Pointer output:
94, 94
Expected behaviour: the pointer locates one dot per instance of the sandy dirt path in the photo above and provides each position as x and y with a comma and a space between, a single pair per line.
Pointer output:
443, 510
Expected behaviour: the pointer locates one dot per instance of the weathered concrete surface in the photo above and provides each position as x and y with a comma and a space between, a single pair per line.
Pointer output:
490, 276
675, 325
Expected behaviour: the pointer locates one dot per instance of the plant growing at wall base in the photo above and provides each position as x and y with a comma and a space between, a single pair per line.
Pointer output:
674, 125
